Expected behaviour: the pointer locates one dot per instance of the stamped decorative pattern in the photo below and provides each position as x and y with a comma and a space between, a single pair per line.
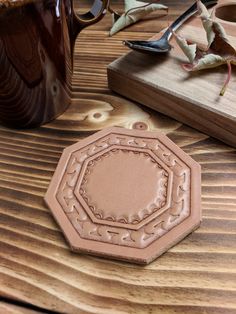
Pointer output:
178, 210
161, 192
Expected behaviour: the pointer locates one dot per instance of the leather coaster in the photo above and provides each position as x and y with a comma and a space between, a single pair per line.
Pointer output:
125, 194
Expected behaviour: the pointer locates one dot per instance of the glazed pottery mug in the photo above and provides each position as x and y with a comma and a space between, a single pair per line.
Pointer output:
37, 39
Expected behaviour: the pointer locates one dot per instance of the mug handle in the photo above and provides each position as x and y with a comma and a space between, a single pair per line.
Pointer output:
96, 13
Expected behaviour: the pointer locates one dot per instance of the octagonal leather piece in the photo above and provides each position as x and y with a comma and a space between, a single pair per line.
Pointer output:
125, 194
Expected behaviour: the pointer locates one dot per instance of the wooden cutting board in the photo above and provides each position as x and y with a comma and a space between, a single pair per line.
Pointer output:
160, 82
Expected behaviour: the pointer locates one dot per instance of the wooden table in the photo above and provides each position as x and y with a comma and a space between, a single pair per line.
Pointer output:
39, 274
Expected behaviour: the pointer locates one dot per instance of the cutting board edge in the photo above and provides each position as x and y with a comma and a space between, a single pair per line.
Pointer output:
212, 125
115, 66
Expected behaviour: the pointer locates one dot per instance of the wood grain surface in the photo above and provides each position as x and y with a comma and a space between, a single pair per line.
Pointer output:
7, 308
36, 266
161, 83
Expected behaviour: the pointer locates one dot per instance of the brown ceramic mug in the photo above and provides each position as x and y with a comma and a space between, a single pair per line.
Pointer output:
36, 57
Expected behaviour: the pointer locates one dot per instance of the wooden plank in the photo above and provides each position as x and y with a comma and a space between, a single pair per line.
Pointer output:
197, 276
160, 83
